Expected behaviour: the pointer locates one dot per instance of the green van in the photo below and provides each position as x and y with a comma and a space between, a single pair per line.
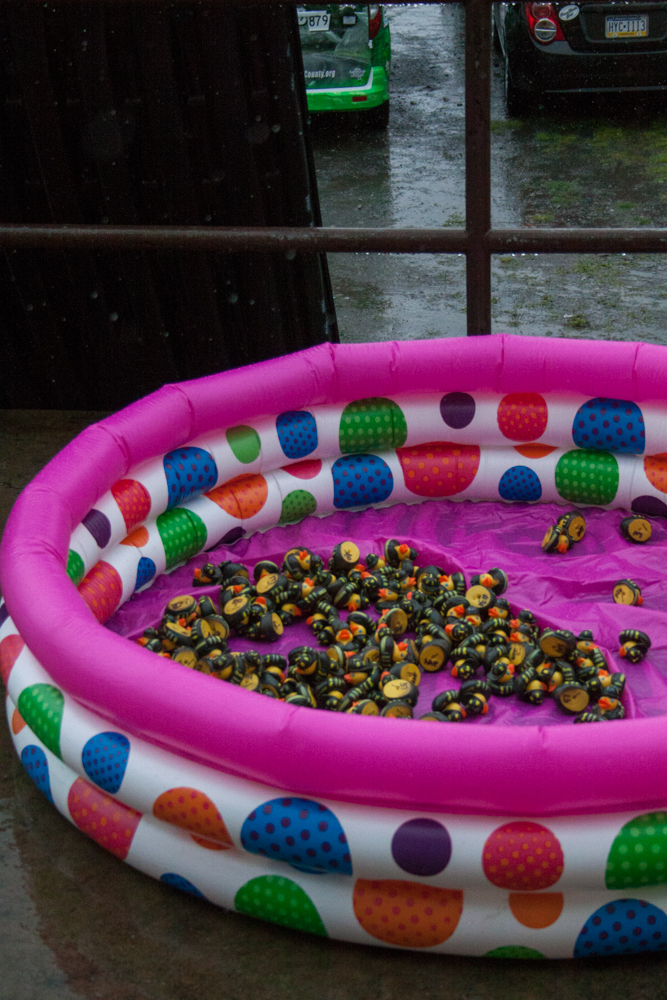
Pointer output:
347, 59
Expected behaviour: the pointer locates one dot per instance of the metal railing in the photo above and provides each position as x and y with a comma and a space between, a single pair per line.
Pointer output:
478, 241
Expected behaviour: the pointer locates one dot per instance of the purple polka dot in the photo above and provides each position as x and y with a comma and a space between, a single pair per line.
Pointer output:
421, 847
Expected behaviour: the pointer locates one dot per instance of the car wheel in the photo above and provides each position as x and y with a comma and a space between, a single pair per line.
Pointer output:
377, 118
519, 102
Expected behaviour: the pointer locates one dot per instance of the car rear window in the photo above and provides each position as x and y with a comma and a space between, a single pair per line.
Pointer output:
334, 42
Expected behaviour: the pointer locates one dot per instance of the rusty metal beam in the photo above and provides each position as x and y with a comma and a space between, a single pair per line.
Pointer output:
328, 240
576, 240
478, 164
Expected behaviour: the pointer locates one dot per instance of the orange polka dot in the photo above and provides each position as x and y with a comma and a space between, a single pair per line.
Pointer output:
18, 722
409, 920
655, 467
533, 450
536, 910
139, 538
242, 497
201, 828
429, 481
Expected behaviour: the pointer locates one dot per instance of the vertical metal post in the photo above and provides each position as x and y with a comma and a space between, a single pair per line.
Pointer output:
478, 163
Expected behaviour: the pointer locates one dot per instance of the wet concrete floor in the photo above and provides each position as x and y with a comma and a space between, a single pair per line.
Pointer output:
78, 923
581, 161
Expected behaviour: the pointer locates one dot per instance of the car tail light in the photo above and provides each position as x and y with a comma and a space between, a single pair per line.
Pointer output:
374, 20
543, 23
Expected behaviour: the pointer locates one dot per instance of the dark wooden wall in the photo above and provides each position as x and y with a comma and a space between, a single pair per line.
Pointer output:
140, 114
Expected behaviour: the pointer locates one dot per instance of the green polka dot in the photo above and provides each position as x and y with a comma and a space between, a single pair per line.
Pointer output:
371, 424
585, 476
638, 854
41, 705
75, 567
244, 442
183, 534
297, 505
514, 951
271, 897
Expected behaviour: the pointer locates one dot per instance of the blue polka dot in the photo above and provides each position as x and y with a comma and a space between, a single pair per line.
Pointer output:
623, 927
104, 760
178, 882
361, 479
305, 834
189, 473
297, 433
609, 425
146, 570
520, 483
34, 761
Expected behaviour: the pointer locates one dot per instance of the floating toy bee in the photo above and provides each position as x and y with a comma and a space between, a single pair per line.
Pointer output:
636, 529
634, 645
573, 525
592, 716
627, 592
610, 708
555, 540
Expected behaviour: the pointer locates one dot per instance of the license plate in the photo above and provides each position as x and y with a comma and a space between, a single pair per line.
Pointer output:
626, 27
314, 20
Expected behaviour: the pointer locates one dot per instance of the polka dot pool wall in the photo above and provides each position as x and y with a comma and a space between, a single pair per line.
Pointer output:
522, 855
407, 914
297, 433
281, 901
610, 425
638, 856
457, 409
520, 483
421, 847
303, 833
189, 472
34, 761
522, 863
361, 479
178, 882
439, 468
391, 452
624, 927
104, 760
372, 423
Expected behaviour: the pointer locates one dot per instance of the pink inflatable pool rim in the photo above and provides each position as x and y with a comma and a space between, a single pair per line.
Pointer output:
520, 770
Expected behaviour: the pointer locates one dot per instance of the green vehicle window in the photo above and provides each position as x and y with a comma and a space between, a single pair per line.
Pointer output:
335, 44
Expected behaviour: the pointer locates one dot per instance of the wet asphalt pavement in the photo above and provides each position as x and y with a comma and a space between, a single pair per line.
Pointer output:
580, 161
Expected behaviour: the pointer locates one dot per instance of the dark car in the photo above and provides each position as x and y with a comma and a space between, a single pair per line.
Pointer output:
556, 48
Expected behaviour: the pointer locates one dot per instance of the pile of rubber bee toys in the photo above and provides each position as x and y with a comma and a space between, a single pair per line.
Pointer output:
429, 621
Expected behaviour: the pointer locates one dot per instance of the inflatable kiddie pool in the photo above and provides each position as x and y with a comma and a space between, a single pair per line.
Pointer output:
512, 837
